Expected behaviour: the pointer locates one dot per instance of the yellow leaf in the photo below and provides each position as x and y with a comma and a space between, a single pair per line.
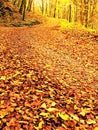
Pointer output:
43, 105
96, 117
53, 104
75, 107
28, 113
44, 114
3, 78
82, 121
17, 73
27, 104
17, 82
52, 109
23, 122
1, 102
69, 101
40, 124
96, 128
13, 104
75, 117
84, 111
63, 116
26, 117
3, 113
48, 66
90, 121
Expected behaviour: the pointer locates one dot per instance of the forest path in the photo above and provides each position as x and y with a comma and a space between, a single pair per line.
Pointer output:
48, 74
72, 52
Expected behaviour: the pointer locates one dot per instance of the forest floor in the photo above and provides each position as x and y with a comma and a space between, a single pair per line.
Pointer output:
48, 79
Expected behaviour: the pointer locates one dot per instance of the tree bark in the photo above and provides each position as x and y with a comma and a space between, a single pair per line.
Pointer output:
24, 10
55, 8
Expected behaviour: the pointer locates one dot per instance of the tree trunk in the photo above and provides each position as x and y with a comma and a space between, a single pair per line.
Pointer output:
86, 13
42, 6
33, 6
50, 8
21, 7
19, 3
29, 5
24, 10
75, 13
55, 9
69, 13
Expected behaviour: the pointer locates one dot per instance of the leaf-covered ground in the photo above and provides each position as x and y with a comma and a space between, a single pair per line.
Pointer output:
48, 79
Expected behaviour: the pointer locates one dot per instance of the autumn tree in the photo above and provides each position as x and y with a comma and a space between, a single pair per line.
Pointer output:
29, 7
81, 11
86, 9
55, 3
22, 9
42, 6
93, 12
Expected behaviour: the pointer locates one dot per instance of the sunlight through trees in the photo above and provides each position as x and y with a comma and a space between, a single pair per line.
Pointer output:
84, 12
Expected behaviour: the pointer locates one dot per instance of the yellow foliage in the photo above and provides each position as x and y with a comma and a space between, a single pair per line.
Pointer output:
96, 128
3, 113
63, 116
90, 121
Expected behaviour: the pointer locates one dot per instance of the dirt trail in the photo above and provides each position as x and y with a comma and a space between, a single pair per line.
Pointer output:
48, 79
63, 52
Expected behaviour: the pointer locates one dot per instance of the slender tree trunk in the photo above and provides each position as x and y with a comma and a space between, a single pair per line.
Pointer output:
42, 6
81, 16
55, 9
50, 8
24, 10
86, 13
19, 3
15, 1
69, 13
33, 6
29, 5
75, 13
46, 8
21, 7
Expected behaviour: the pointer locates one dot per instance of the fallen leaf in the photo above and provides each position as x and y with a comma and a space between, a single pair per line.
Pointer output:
3, 113
3, 78
26, 117
44, 114
23, 122
40, 124
63, 116
84, 111
96, 128
1, 102
90, 121
17, 82
96, 117
43, 105
60, 128
75, 117
52, 109
53, 104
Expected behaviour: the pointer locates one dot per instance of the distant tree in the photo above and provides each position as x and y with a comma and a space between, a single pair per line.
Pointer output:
84, 11
22, 9
19, 3
29, 7
42, 1
55, 7
14, 2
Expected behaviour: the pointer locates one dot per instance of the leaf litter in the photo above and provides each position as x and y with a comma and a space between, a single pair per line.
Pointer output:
48, 79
